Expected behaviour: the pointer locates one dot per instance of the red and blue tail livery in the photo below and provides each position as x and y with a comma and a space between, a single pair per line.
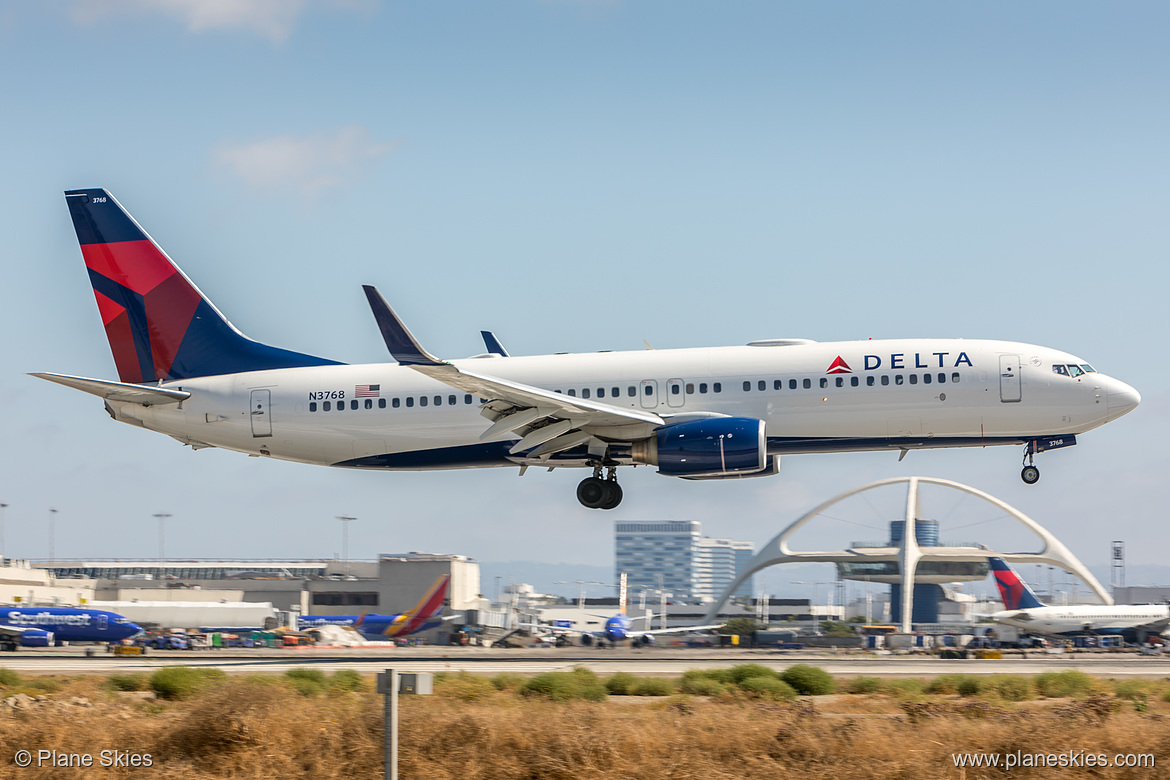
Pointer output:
160, 326
424, 615
1012, 589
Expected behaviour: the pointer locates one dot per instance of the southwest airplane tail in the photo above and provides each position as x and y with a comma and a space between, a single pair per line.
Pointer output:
422, 615
159, 325
1012, 589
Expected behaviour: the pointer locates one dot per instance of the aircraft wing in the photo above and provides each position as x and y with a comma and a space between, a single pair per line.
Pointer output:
118, 391
547, 421
678, 629
11, 631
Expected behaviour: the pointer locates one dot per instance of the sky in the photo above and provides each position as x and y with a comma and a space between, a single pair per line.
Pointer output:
579, 175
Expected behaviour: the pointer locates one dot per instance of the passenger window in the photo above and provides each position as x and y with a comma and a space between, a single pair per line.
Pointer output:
649, 390
747, 386
369, 404
955, 377
717, 387
409, 401
702, 387
690, 388
353, 404
761, 385
631, 392
927, 379
791, 384
777, 384
914, 379
807, 383
840, 381
942, 378
438, 400
422, 400
601, 392
854, 381
869, 381
615, 392
451, 400
381, 403
885, 379
573, 393
824, 382
312, 406
674, 389
897, 379
585, 392
396, 403
467, 398
1060, 370
326, 406
341, 406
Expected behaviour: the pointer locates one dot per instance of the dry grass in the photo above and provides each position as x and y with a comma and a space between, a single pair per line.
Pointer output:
264, 728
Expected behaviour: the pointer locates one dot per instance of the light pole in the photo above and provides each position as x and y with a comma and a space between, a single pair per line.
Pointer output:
2, 508
816, 585
162, 518
345, 521
582, 583
52, 534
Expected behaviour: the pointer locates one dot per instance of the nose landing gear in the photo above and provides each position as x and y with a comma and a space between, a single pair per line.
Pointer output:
1030, 474
597, 493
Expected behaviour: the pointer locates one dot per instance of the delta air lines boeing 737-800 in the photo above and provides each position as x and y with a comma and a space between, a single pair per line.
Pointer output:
699, 413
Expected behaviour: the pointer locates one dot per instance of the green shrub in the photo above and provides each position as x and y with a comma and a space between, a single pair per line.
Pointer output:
737, 674
654, 686
563, 686
768, 688
1131, 689
301, 673
347, 680
44, 684
719, 675
864, 685
969, 685
1060, 685
507, 681
809, 680
945, 684
8, 678
1010, 687
466, 687
906, 687
621, 684
697, 685
183, 682
128, 682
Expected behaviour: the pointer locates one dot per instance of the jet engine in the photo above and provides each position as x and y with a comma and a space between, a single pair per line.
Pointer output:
708, 448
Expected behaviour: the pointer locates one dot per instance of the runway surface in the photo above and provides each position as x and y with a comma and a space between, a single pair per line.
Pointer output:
647, 662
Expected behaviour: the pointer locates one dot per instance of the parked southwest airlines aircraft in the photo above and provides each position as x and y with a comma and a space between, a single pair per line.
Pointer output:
705, 413
42, 626
1026, 612
423, 615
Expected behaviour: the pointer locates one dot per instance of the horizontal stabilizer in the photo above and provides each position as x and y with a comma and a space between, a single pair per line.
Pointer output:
118, 391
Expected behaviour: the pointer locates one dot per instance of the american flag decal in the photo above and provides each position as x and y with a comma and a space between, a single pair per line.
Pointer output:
366, 391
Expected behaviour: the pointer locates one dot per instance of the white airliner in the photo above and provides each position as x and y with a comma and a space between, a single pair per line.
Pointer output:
1026, 612
701, 413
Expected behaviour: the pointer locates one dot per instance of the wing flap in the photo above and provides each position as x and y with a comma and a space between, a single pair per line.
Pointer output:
118, 391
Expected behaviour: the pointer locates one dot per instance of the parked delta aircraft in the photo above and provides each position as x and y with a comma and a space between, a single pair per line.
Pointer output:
420, 617
42, 626
1024, 611
699, 413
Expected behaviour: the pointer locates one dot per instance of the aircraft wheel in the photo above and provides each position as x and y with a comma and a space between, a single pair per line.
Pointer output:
615, 496
592, 492
1030, 475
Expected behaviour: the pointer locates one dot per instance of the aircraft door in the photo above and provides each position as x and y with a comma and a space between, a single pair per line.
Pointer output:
648, 392
103, 622
1009, 378
676, 393
260, 413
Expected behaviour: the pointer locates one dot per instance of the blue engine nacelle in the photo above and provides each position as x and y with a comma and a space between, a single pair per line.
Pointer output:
709, 447
36, 637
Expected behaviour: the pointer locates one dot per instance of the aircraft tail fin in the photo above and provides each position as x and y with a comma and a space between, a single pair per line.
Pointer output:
1012, 589
159, 325
422, 614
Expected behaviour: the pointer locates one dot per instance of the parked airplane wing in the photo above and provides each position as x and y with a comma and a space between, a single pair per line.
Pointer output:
118, 391
583, 413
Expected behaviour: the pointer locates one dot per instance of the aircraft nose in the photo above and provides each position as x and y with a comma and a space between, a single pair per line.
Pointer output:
1121, 399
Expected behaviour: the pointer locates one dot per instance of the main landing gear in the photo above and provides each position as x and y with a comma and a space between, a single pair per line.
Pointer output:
597, 493
1030, 474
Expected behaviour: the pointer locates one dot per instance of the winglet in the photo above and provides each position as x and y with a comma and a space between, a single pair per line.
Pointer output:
493, 344
398, 340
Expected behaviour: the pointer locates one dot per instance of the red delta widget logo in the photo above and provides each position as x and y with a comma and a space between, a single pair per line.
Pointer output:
899, 360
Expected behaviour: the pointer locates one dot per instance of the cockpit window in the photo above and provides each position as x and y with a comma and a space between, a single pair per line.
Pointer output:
1075, 370
1088, 369
1059, 369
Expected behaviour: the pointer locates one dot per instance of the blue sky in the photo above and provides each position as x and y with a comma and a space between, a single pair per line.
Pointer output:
579, 176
